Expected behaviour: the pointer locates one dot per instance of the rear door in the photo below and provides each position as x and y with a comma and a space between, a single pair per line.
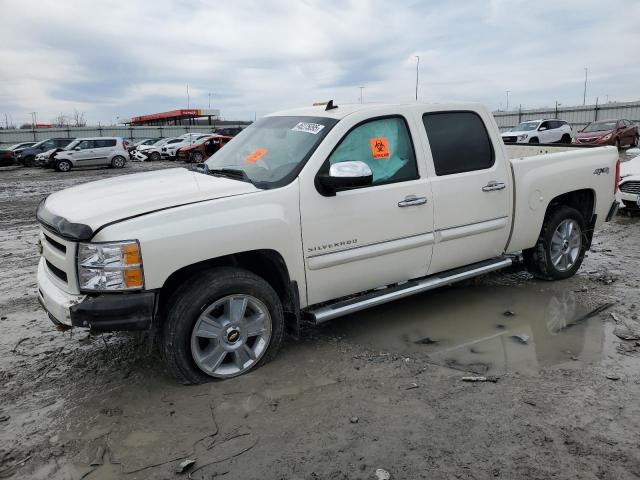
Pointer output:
471, 189
103, 150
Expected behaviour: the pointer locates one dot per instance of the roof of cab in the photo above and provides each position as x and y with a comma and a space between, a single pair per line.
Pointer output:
342, 110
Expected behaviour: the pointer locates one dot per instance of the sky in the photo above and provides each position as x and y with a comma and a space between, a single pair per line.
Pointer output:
113, 60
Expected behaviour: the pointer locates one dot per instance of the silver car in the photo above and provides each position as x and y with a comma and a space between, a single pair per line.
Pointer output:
91, 152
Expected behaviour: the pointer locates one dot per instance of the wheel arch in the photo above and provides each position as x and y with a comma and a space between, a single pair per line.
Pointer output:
266, 263
584, 201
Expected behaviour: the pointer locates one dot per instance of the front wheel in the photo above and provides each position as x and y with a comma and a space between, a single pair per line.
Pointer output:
221, 324
63, 165
196, 157
560, 249
155, 156
534, 140
566, 138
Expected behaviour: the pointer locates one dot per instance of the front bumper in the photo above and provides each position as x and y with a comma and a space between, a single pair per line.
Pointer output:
103, 313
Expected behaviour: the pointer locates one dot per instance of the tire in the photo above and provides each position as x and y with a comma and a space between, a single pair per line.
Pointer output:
534, 140
618, 143
155, 156
29, 161
202, 302
547, 260
63, 166
566, 138
118, 161
196, 157
635, 142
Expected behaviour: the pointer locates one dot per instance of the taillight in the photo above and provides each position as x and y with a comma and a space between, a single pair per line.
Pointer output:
615, 185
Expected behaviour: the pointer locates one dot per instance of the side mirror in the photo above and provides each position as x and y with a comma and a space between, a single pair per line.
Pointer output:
77, 149
344, 176
541, 129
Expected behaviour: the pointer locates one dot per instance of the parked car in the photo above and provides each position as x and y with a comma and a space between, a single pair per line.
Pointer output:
7, 157
146, 141
169, 149
202, 149
608, 132
20, 146
229, 131
89, 152
313, 214
151, 151
27, 156
630, 183
539, 131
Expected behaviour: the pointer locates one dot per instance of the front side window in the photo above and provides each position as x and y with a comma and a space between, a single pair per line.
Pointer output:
459, 142
85, 144
272, 151
384, 145
49, 144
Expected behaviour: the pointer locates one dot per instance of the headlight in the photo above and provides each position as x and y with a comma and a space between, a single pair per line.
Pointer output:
606, 137
112, 266
523, 137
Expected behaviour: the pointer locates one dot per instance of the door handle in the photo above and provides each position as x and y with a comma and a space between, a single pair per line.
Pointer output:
492, 186
412, 200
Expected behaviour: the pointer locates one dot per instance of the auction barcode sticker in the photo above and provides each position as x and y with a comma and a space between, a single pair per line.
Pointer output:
308, 127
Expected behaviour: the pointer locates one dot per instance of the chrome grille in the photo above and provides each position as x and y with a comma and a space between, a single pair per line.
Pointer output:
630, 187
60, 261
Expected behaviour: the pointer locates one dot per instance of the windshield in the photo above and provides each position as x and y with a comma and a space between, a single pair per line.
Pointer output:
526, 127
272, 150
600, 126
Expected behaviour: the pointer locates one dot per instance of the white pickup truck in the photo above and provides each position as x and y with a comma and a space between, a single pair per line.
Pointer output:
308, 215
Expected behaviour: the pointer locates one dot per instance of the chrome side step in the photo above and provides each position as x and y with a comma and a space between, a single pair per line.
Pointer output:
378, 297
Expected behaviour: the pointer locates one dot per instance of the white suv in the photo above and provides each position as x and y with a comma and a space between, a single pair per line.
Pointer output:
170, 149
90, 152
539, 131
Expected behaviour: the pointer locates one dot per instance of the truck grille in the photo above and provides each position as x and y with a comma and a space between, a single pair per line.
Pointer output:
60, 261
630, 187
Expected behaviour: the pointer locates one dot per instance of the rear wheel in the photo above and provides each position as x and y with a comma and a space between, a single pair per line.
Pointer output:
560, 249
221, 324
63, 165
566, 138
117, 162
534, 140
29, 161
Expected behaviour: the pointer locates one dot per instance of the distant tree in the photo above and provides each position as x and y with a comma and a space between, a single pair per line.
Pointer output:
78, 118
61, 120
25, 126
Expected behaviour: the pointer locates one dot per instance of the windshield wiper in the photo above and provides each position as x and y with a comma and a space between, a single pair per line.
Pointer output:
233, 173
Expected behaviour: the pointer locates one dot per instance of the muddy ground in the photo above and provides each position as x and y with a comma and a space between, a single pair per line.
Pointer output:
380, 389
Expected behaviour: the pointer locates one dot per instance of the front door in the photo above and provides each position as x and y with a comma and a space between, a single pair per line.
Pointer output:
84, 153
370, 236
471, 189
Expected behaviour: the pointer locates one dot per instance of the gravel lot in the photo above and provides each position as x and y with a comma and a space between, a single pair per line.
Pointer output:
381, 389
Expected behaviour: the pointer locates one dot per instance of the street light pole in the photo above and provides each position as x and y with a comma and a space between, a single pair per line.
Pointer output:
507, 109
361, 88
209, 101
584, 95
417, 74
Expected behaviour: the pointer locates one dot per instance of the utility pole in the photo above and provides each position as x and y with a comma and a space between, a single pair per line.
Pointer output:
557, 104
417, 74
188, 99
34, 119
209, 101
584, 95
507, 109
361, 88
6, 121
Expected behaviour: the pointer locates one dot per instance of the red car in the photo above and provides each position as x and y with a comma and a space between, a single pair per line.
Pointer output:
608, 132
202, 149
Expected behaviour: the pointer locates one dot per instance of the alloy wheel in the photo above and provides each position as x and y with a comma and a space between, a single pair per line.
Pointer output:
565, 245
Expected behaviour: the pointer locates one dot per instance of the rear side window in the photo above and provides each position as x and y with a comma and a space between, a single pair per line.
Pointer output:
109, 142
459, 142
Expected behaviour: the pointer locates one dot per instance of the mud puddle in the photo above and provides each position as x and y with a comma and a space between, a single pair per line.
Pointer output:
491, 330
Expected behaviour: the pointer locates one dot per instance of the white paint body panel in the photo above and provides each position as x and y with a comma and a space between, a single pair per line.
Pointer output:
354, 241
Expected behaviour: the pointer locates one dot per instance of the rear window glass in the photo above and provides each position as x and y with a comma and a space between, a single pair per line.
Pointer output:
109, 142
459, 142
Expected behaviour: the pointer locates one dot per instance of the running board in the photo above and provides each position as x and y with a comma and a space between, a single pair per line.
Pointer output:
378, 297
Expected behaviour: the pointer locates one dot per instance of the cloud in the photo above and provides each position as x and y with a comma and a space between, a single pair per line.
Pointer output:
127, 58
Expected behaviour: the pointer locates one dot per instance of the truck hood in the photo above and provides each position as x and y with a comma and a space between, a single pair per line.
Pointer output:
79, 211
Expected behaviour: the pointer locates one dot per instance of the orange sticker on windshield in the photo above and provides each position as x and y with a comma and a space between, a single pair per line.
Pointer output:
379, 148
256, 155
